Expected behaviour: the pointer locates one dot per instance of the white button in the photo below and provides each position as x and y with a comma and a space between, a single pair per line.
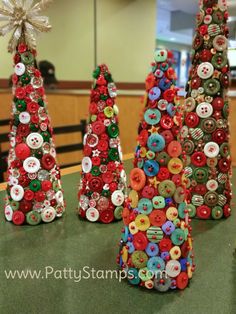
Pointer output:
19, 68
8, 212
84, 202
92, 203
220, 43
120, 152
184, 131
133, 228
92, 140
112, 90
59, 197
207, 19
211, 149
117, 198
205, 70
212, 185
34, 140
173, 268
123, 174
31, 164
162, 104
86, 164
48, 214
24, 117
92, 214
17, 193
204, 110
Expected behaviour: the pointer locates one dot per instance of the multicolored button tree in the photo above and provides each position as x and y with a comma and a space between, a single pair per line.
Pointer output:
156, 245
33, 189
103, 180
206, 131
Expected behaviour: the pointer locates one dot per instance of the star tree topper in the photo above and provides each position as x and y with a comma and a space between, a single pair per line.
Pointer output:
24, 19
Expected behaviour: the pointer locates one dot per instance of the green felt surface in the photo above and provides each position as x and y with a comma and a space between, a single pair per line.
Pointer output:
72, 243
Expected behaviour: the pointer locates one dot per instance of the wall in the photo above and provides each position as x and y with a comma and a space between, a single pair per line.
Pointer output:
126, 39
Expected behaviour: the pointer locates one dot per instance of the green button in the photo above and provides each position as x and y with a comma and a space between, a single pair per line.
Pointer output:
113, 154
16, 120
178, 236
211, 198
96, 72
34, 127
166, 188
176, 222
218, 17
14, 205
200, 175
35, 185
56, 186
181, 210
95, 171
41, 103
150, 155
188, 146
163, 158
20, 105
27, 57
224, 150
211, 87
208, 125
104, 97
219, 60
93, 117
106, 193
46, 136
145, 274
154, 234
191, 210
139, 259
33, 218
25, 79
140, 163
226, 110
108, 77
217, 212
38, 153
113, 130
118, 212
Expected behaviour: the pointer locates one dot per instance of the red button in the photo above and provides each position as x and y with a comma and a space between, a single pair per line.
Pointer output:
198, 159
227, 211
148, 192
48, 161
107, 177
165, 245
219, 136
40, 196
93, 108
205, 55
46, 185
24, 181
143, 137
106, 216
174, 149
191, 119
200, 189
203, 212
196, 82
18, 218
103, 203
23, 129
177, 179
137, 179
28, 195
102, 145
218, 103
87, 150
182, 281
98, 127
96, 184
166, 122
224, 165
140, 241
169, 95
25, 206
184, 249
157, 218
22, 151
32, 107
126, 216
168, 136
163, 174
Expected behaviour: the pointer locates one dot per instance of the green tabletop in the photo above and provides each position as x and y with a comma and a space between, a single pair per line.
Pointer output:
70, 243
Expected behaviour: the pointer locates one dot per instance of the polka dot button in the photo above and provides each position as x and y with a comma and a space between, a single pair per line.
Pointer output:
205, 70
204, 110
31, 164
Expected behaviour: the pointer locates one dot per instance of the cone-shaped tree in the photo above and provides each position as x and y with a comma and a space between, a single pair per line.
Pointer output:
156, 244
33, 188
206, 130
101, 192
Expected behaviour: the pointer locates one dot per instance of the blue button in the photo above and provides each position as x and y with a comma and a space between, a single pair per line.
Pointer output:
156, 142
152, 116
130, 247
168, 227
156, 264
145, 206
169, 201
152, 249
164, 83
165, 255
154, 93
125, 234
151, 168
183, 262
170, 110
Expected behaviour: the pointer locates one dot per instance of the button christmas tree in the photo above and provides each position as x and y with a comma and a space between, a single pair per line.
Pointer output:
33, 189
102, 188
156, 245
206, 131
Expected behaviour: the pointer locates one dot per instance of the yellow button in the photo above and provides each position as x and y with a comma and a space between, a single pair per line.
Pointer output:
143, 152
133, 196
149, 284
190, 243
109, 112
189, 270
175, 165
124, 254
142, 222
172, 213
133, 228
175, 252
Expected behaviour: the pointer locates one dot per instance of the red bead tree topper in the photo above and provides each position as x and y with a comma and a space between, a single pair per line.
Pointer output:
33, 189
156, 244
102, 188
206, 131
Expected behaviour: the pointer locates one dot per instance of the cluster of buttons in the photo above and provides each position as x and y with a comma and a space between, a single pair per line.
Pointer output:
34, 188
156, 244
103, 180
205, 132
